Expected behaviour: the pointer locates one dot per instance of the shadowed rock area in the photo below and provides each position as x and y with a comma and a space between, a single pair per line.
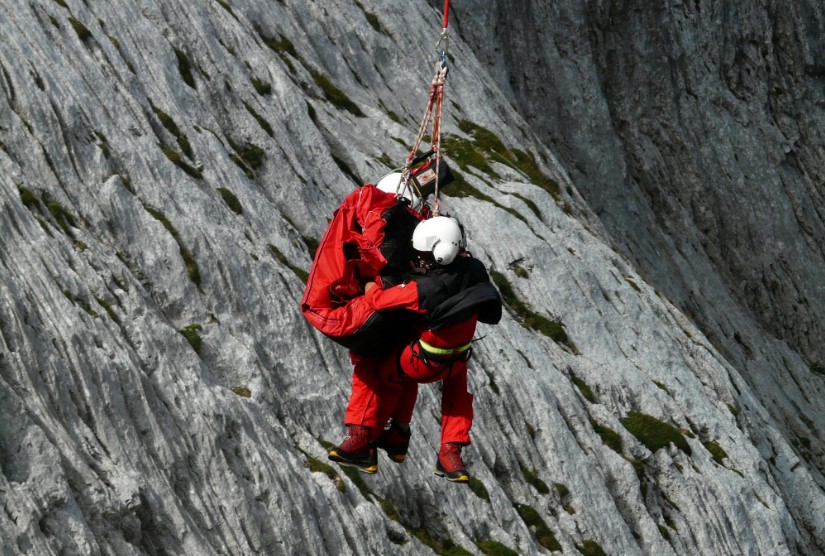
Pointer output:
644, 184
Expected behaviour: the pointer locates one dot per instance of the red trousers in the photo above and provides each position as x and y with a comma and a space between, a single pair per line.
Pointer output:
387, 387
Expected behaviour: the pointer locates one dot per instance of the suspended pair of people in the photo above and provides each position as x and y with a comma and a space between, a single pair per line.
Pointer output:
406, 305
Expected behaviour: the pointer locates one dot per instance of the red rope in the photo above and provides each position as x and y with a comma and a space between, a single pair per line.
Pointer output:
433, 111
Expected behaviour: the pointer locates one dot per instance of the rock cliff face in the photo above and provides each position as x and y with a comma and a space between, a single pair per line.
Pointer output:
645, 185
692, 129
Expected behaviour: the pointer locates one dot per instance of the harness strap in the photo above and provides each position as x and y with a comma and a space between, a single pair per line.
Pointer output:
444, 352
441, 365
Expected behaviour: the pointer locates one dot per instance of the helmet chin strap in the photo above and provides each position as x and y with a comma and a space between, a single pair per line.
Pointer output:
423, 262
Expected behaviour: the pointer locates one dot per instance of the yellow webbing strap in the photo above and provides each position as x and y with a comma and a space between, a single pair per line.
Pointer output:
433, 350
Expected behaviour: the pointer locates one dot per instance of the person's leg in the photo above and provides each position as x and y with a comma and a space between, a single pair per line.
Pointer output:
362, 408
402, 412
456, 421
456, 407
398, 397
392, 389
361, 417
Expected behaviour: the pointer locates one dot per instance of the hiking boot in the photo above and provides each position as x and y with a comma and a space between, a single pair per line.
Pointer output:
356, 450
395, 442
449, 464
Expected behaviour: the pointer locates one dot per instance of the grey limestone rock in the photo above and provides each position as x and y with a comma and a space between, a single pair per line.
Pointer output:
646, 192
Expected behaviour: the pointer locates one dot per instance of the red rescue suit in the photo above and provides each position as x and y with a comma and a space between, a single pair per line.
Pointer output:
454, 299
369, 235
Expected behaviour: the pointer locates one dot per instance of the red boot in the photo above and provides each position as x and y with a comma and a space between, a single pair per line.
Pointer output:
449, 464
395, 441
356, 450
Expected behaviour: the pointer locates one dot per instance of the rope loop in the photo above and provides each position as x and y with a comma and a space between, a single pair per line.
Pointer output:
443, 39
433, 111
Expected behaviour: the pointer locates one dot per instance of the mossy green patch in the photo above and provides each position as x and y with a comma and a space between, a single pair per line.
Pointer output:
191, 264
281, 45
611, 438
590, 548
84, 304
231, 200
389, 509
185, 68
355, 476
386, 160
526, 163
562, 490
176, 159
495, 548
317, 466
484, 147
653, 433
65, 219
529, 318
226, 6
335, 95
478, 488
461, 188
249, 157
280, 257
716, 451
82, 31
542, 533
29, 199
265, 125
192, 336
240, 164
466, 155
664, 532
172, 127
533, 479
372, 19
262, 87
530, 204
584, 388
345, 168
103, 144
491, 376
109, 309
242, 391
127, 183
445, 547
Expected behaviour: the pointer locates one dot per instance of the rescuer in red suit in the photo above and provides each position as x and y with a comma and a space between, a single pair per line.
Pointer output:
451, 291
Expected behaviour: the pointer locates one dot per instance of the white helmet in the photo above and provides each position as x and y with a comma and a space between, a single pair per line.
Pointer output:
440, 235
391, 183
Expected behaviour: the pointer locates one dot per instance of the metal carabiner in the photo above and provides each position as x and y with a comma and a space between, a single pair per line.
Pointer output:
445, 40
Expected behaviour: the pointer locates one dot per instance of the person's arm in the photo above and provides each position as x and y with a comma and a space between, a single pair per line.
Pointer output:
402, 296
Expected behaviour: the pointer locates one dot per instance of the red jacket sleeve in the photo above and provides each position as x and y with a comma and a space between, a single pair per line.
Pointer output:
403, 296
370, 205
